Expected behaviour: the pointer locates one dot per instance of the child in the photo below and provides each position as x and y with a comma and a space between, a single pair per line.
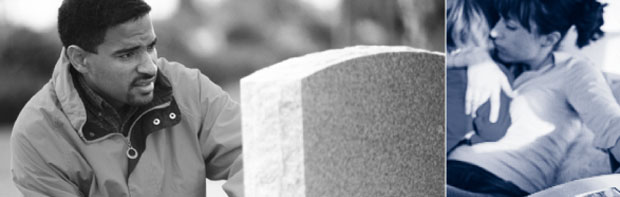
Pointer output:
468, 29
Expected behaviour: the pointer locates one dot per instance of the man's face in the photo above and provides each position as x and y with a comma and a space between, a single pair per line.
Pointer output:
123, 71
514, 43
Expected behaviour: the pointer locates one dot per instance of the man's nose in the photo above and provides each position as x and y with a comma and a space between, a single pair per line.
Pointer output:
147, 65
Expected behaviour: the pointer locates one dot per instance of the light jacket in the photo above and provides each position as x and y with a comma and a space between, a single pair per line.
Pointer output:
189, 132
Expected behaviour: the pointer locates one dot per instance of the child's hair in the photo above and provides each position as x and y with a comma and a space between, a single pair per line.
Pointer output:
469, 23
557, 15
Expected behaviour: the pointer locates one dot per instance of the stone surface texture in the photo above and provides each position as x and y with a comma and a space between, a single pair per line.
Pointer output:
359, 121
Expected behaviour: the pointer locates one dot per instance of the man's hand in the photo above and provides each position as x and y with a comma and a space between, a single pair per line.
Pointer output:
485, 80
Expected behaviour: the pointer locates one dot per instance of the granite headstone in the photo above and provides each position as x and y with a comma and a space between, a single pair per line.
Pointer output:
359, 121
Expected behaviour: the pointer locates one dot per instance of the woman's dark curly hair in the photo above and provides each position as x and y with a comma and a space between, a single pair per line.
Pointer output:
557, 15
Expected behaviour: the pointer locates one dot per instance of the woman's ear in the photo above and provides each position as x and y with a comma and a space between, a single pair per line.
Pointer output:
551, 39
77, 57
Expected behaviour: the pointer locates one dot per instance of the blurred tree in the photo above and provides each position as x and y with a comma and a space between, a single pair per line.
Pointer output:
369, 22
417, 23
28, 51
424, 23
27, 59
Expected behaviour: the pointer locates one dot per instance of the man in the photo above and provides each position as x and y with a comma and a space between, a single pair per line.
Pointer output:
114, 120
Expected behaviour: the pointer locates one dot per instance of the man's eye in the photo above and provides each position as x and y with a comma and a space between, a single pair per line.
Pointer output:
150, 48
127, 55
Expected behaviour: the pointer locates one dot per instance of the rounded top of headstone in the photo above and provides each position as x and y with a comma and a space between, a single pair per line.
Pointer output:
300, 67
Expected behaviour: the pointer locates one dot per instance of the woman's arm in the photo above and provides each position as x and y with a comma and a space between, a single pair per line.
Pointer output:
589, 94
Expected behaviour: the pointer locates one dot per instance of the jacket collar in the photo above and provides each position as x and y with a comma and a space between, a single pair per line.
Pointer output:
64, 89
73, 103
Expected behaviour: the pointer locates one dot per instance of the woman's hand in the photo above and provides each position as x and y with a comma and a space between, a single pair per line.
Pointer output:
485, 81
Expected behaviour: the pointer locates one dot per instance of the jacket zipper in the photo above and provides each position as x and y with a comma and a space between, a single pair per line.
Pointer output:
131, 152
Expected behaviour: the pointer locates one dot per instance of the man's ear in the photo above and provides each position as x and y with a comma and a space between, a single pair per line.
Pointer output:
77, 57
551, 39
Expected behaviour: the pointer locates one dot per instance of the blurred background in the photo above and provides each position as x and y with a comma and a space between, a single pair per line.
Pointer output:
225, 39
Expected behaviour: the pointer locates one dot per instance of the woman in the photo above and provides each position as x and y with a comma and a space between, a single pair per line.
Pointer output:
556, 94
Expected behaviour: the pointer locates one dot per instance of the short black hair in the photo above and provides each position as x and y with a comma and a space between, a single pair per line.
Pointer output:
85, 22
